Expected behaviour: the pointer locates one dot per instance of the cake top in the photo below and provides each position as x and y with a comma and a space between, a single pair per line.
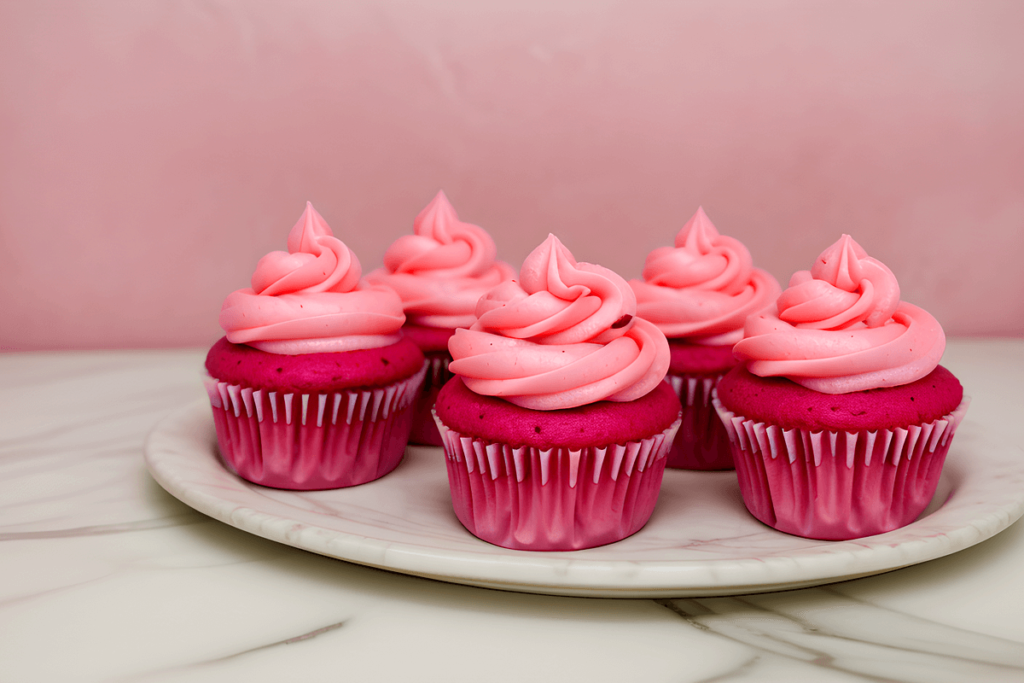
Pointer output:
841, 327
564, 335
310, 299
773, 400
702, 289
442, 269
313, 373
595, 424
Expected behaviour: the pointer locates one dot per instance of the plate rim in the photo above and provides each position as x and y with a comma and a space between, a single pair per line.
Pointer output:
580, 576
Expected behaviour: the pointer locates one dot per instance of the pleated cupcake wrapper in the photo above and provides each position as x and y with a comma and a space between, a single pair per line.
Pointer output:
701, 442
837, 485
697, 388
313, 441
554, 499
424, 431
437, 371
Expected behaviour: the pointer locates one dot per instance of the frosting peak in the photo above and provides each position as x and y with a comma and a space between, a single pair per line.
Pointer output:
702, 289
316, 261
564, 336
559, 301
844, 287
841, 327
442, 246
443, 268
310, 300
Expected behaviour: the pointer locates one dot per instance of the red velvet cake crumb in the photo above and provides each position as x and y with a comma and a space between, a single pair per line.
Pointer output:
597, 424
694, 359
429, 339
779, 401
313, 372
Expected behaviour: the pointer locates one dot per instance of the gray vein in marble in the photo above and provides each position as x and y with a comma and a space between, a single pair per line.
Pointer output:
748, 666
55, 590
104, 529
38, 438
287, 641
826, 629
237, 655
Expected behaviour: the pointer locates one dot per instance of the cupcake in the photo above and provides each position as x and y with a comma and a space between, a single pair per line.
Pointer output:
439, 272
557, 422
699, 293
840, 417
313, 386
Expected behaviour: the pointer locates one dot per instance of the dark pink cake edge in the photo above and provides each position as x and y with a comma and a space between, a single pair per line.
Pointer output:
694, 359
782, 402
313, 372
433, 340
603, 423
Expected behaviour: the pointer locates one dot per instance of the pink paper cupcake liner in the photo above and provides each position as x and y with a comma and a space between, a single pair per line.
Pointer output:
838, 485
528, 498
701, 442
424, 431
313, 441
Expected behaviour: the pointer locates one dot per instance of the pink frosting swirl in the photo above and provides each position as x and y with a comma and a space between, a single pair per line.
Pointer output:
703, 289
443, 269
842, 328
310, 300
562, 337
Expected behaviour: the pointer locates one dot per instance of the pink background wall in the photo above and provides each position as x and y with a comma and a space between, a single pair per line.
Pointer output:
151, 152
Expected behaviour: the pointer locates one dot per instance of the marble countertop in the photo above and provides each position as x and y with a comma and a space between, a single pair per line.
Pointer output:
106, 577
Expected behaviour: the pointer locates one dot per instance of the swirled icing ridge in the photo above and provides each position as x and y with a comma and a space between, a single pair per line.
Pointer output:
841, 327
442, 269
310, 299
566, 335
703, 288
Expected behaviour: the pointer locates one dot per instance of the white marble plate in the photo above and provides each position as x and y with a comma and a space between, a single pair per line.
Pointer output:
700, 541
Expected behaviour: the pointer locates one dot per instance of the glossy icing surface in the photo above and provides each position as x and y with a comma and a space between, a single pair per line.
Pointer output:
442, 269
704, 287
841, 327
563, 336
310, 300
